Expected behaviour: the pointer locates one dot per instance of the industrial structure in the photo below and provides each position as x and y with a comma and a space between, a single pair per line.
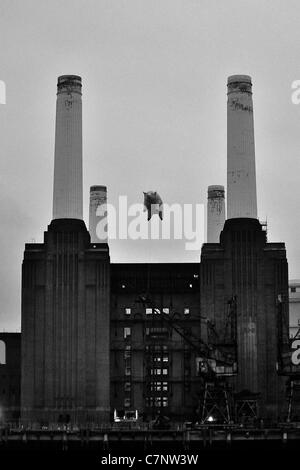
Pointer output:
216, 212
294, 306
105, 341
241, 175
245, 266
10, 374
98, 214
65, 294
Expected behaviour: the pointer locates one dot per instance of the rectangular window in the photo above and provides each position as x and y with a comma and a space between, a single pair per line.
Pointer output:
127, 370
157, 332
155, 386
186, 311
127, 387
127, 402
127, 352
127, 311
148, 311
127, 332
165, 371
166, 310
159, 387
161, 358
157, 401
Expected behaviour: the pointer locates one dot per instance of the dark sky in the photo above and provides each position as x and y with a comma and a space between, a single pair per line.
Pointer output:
154, 95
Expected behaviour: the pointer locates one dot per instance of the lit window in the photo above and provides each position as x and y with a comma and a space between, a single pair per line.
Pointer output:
166, 310
157, 401
2, 352
165, 371
196, 276
127, 311
186, 311
148, 311
156, 311
163, 358
191, 286
127, 332
123, 286
155, 386
127, 370
159, 386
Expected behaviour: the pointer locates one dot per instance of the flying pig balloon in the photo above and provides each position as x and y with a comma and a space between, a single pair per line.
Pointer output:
153, 204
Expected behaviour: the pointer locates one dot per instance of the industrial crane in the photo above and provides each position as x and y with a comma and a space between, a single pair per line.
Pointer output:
216, 360
288, 360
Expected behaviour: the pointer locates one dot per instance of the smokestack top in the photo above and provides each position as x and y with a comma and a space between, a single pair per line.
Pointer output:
239, 79
216, 191
69, 83
239, 83
215, 187
98, 188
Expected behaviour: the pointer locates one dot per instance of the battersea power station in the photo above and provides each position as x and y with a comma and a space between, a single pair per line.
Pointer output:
106, 342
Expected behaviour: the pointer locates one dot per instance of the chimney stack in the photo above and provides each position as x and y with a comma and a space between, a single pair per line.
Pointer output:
241, 178
67, 188
98, 197
216, 213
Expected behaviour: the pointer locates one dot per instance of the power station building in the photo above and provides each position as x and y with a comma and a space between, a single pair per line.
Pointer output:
100, 340
243, 265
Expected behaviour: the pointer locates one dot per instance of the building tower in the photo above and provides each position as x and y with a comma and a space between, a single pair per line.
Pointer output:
65, 295
241, 180
243, 266
98, 214
67, 188
215, 213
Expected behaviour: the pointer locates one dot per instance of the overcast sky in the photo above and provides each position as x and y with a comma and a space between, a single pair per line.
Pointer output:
154, 111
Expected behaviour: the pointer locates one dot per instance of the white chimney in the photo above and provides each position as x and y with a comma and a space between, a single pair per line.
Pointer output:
241, 178
67, 189
98, 214
216, 213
